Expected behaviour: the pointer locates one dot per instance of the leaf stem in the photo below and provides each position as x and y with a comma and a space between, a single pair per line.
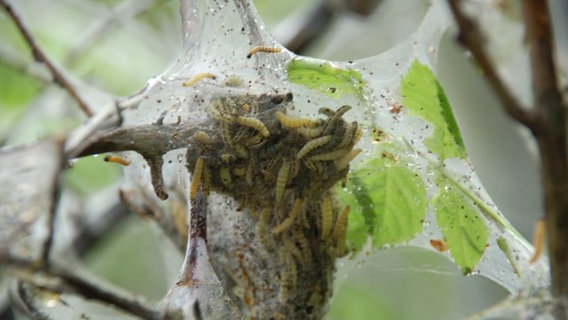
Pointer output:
490, 212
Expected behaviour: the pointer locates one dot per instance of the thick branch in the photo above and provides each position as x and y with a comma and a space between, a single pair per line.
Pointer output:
540, 44
39, 55
151, 141
144, 139
551, 137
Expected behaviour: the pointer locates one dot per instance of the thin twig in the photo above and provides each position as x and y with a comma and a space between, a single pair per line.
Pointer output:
40, 56
123, 11
20, 64
472, 38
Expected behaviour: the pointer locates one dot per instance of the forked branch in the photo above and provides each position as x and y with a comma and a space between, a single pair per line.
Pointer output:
546, 119
473, 39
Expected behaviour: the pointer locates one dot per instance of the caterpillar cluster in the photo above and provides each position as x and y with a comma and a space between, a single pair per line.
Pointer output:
265, 158
280, 170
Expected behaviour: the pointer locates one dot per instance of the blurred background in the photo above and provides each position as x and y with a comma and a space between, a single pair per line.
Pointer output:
118, 45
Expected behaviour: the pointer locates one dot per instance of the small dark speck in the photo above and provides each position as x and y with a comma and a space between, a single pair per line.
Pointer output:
159, 101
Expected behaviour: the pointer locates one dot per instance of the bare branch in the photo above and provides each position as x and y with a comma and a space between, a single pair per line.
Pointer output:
311, 27
148, 141
40, 56
63, 281
20, 63
540, 44
301, 34
550, 113
472, 38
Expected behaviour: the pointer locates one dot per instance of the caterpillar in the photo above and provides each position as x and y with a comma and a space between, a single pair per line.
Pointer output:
253, 123
312, 145
203, 75
287, 223
258, 49
281, 181
117, 159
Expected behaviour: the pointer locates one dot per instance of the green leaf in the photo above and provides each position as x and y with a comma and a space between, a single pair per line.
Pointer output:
326, 77
424, 97
464, 231
388, 201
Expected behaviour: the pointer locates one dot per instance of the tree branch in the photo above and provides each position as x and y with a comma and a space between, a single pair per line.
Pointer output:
63, 281
311, 27
40, 56
550, 133
472, 38
148, 141
547, 122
